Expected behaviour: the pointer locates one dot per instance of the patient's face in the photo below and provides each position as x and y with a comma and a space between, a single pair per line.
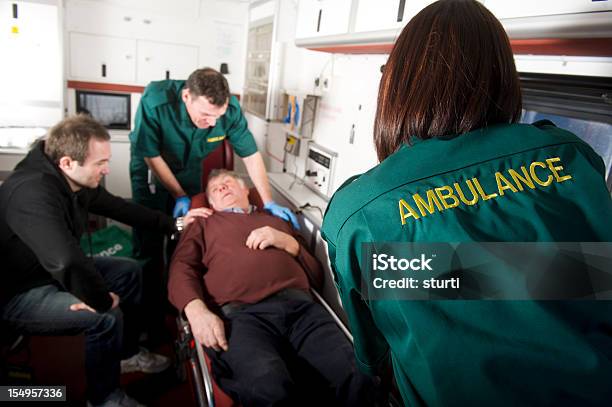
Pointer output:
226, 191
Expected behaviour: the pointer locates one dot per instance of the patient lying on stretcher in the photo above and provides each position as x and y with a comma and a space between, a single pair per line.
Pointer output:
242, 278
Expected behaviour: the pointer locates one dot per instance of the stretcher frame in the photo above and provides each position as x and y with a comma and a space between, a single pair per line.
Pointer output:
193, 353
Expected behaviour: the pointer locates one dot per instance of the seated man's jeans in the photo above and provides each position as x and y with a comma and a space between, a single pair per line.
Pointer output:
46, 310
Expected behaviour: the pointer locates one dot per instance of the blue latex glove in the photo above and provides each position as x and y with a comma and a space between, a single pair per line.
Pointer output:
181, 207
283, 213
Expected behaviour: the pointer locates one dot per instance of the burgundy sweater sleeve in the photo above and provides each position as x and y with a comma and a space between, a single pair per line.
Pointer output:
185, 281
311, 265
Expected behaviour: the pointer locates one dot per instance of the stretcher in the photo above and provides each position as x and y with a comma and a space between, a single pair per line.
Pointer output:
207, 393
191, 354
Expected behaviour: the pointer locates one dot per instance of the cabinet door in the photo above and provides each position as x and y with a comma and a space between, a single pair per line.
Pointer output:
185, 9
102, 59
373, 15
508, 9
322, 17
158, 61
413, 7
307, 18
118, 180
31, 69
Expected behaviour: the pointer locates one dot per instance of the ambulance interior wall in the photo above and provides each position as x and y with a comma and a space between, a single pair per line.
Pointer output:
216, 27
348, 102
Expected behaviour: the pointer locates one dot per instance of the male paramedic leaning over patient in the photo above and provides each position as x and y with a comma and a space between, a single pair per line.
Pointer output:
456, 167
178, 124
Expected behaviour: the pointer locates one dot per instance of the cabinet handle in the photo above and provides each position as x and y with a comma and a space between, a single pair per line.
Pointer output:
319, 20
15, 10
167, 74
104, 70
400, 10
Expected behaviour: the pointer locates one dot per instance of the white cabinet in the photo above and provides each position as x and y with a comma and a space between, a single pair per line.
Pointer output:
414, 7
185, 9
373, 15
129, 61
158, 61
372, 26
258, 70
118, 180
259, 127
528, 8
307, 18
322, 17
31, 70
102, 58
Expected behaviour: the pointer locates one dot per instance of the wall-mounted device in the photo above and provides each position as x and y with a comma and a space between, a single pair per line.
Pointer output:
292, 145
298, 113
113, 110
320, 164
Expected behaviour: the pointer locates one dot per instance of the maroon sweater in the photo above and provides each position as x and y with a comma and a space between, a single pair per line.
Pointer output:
213, 263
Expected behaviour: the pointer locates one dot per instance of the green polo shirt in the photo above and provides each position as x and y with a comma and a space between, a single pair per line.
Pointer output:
458, 352
163, 128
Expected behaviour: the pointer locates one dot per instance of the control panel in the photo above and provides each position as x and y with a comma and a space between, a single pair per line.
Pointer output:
320, 164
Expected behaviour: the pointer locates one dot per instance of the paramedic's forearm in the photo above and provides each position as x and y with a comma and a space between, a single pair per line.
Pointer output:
257, 172
165, 175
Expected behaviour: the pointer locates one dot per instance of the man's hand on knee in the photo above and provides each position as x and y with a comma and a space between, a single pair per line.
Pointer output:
206, 327
116, 300
213, 332
81, 306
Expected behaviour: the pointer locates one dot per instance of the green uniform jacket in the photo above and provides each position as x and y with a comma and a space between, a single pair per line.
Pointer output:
163, 128
466, 353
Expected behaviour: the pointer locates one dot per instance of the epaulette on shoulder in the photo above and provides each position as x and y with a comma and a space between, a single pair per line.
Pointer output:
558, 133
233, 106
159, 93
335, 213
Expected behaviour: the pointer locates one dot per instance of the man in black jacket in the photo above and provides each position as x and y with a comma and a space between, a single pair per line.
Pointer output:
49, 286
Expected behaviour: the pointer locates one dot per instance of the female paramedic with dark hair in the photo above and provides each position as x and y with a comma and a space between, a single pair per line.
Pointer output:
456, 167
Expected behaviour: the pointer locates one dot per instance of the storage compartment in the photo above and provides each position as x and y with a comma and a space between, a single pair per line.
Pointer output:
259, 51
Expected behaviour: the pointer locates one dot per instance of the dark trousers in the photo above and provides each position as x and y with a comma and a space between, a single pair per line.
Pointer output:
46, 310
289, 353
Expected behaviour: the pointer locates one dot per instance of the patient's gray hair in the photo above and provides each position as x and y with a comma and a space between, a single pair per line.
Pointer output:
218, 172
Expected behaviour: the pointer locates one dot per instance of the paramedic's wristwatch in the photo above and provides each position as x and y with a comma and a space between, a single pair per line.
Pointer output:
179, 225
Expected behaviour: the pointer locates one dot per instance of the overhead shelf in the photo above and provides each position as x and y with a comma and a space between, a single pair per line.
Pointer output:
580, 34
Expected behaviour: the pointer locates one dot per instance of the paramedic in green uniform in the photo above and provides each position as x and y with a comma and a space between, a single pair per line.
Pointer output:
456, 167
178, 123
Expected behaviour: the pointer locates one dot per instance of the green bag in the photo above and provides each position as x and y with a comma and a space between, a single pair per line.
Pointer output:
110, 241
